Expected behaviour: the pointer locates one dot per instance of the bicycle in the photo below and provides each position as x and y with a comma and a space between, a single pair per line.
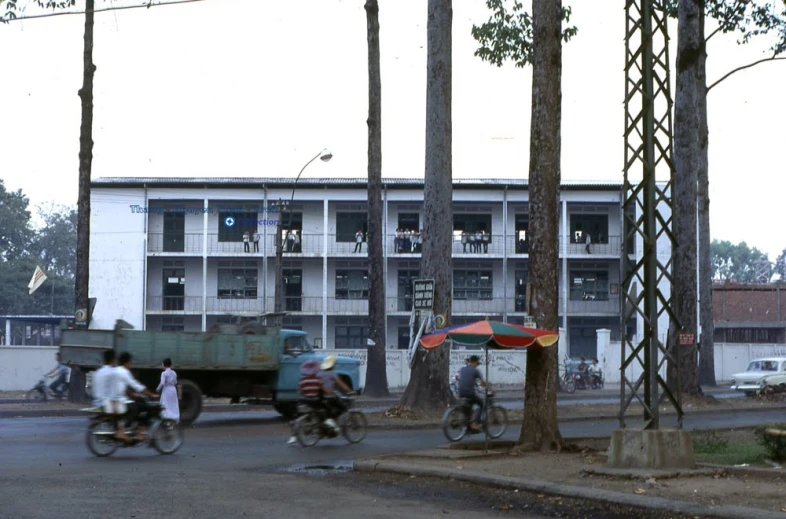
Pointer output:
457, 419
567, 382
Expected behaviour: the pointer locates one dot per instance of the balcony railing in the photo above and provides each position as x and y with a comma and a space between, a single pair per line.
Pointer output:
609, 306
313, 244
174, 304
608, 246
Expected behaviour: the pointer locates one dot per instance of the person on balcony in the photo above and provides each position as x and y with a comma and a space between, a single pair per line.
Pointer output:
471, 242
588, 241
485, 238
256, 241
290, 241
464, 241
359, 241
298, 242
246, 237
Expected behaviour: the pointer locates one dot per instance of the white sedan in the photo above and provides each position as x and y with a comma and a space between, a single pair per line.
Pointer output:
761, 374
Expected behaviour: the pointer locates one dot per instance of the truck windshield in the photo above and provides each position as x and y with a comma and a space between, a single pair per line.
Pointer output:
299, 344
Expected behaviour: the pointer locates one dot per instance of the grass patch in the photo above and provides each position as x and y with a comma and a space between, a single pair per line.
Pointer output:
730, 452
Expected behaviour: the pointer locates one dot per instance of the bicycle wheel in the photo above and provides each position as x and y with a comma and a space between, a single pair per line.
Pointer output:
496, 422
168, 437
353, 426
569, 385
100, 439
307, 430
455, 423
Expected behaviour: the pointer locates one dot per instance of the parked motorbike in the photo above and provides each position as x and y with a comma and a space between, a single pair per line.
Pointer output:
163, 434
41, 392
457, 419
310, 426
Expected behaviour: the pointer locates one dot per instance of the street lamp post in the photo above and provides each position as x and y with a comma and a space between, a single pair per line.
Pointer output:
282, 206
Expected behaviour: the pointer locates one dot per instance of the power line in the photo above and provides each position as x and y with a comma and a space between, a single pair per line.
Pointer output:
103, 9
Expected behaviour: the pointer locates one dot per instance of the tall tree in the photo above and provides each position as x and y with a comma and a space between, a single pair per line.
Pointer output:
376, 369
749, 19
537, 39
15, 230
540, 429
684, 196
428, 384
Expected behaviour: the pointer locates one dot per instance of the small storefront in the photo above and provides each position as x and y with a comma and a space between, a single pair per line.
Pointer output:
32, 330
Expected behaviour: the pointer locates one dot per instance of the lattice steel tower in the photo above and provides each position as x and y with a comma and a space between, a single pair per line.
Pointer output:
647, 212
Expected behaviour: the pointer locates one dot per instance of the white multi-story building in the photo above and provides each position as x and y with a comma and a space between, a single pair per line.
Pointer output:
168, 254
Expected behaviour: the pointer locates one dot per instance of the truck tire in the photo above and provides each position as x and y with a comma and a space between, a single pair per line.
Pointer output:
191, 401
286, 409
252, 329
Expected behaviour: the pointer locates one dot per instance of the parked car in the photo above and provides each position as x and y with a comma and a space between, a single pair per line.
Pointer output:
762, 374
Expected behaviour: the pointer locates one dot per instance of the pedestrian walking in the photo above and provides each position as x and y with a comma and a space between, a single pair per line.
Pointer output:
170, 392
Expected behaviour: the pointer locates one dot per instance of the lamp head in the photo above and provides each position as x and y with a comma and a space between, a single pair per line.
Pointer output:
326, 156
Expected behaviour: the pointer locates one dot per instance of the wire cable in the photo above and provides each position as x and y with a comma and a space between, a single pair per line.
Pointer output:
103, 9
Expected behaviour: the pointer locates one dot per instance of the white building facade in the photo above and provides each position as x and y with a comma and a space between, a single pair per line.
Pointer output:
168, 254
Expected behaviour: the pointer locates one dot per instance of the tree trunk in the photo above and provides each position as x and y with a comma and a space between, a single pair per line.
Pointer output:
706, 313
686, 153
77, 389
540, 429
376, 369
428, 384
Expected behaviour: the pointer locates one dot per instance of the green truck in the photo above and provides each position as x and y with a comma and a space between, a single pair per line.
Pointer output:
247, 362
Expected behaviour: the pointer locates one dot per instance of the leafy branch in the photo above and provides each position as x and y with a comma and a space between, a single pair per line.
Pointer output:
508, 33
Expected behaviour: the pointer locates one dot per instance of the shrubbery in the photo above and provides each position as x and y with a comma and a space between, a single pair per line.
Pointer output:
775, 445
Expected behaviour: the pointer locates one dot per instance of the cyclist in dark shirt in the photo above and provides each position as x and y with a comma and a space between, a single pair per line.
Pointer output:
467, 377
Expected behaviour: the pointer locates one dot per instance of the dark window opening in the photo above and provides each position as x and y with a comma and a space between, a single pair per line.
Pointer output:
237, 279
471, 224
596, 225
472, 284
522, 234
409, 221
240, 223
351, 284
351, 337
348, 224
586, 285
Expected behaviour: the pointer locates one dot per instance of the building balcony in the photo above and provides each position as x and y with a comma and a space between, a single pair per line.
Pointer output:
607, 307
179, 305
610, 246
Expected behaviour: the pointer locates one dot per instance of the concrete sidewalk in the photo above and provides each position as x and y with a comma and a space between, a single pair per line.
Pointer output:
498, 468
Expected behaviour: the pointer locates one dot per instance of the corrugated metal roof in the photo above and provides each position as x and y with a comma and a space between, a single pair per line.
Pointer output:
337, 182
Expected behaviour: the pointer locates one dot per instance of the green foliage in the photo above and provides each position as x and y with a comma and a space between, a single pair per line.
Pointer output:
508, 33
780, 266
737, 262
775, 445
22, 248
709, 442
747, 18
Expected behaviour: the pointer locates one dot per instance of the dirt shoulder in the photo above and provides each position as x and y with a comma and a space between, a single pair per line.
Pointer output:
763, 489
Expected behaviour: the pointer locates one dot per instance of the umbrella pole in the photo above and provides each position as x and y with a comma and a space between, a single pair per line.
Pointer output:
485, 402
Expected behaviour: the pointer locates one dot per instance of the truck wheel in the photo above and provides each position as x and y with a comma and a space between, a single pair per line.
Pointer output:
191, 403
286, 409
252, 329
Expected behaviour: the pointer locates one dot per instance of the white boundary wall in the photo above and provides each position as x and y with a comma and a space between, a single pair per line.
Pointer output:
21, 367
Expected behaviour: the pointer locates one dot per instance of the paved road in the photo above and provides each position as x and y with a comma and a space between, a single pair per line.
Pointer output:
225, 469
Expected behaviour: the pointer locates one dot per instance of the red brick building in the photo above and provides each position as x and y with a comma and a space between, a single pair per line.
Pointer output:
750, 313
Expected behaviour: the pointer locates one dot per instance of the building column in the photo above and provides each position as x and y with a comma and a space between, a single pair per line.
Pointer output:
505, 255
564, 246
204, 265
8, 332
385, 258
265, 216
324, 269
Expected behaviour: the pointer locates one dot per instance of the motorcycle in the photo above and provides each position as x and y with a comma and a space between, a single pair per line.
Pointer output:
310, 426
457, 419
163, 434
41, 392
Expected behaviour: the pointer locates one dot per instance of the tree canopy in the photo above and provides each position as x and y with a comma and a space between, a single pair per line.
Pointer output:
739, 262
52, 247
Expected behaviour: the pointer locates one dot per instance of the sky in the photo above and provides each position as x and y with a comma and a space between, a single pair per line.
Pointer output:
255, 88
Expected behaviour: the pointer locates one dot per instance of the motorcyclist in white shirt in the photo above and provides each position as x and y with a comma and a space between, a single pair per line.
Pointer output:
125, 382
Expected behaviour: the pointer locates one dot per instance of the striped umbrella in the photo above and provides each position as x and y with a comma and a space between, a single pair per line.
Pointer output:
491, 333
